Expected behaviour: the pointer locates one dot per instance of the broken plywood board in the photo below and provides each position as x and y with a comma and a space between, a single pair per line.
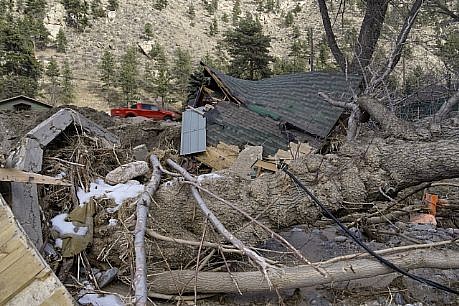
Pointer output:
295, 151
25, 277
221, 157
18, 176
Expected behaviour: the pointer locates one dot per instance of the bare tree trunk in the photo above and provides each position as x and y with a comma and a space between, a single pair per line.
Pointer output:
331, 39
140, 277
184, 281
370, 31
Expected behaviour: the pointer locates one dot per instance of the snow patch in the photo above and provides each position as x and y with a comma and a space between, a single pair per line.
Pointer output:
100, 300
112, 222
119, 193
208, 176
58, 243
65, 228
61, 175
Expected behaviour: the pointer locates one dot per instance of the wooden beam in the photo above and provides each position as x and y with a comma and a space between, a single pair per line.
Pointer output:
18, 176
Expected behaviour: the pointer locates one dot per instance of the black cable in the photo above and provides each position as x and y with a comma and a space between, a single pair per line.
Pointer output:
385, 262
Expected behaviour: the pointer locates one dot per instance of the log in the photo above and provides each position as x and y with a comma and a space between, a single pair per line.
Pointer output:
184, 281
142, 204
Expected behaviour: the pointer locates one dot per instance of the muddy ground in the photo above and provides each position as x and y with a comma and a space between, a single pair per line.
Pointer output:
316, 240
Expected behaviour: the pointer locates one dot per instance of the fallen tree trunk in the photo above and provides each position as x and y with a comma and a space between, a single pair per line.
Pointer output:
184, 281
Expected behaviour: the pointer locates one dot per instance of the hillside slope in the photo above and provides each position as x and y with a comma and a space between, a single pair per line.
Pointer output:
173, 28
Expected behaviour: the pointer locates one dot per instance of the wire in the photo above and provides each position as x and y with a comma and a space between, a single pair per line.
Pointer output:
385, 262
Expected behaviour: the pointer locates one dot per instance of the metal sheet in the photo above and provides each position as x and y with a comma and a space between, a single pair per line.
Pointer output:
193, 136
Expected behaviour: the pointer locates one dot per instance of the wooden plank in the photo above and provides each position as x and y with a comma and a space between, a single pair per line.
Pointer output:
14, 175
266, 165
221, 157
18, 275
25, 277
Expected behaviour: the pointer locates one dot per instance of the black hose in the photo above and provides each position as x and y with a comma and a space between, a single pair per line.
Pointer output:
385, 262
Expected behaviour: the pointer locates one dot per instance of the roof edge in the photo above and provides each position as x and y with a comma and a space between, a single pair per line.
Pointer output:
27, 98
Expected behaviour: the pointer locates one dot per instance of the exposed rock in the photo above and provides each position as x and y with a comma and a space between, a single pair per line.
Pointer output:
126, 172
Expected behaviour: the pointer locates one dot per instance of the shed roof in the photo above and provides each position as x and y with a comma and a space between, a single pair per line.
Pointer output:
292, 98
25, 98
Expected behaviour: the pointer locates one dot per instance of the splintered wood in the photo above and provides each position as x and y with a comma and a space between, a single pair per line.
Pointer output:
25, 277
221, 157
18, 176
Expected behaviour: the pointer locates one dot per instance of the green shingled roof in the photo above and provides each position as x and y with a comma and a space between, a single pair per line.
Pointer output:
293, 98
266, 105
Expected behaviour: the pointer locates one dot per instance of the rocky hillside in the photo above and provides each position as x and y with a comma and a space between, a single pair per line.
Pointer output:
172, 28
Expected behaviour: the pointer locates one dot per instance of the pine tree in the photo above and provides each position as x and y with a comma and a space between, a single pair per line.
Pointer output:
61, 41
128, 75
249, 49
213, 28
289, 19
160, 4
67, 84
236, 11
53, 74
182, 69
19, 69
76, 13
163, 77
35, 9
112, 5
299, 56
148, 78
191, 11
225, 17
107, 69
148, 30
34, 13
97, 9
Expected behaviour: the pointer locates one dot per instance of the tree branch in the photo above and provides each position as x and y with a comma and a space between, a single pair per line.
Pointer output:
140, 277
389, 122
444, 110
446, 11
331, 39
259, 260
354, 118
396, 53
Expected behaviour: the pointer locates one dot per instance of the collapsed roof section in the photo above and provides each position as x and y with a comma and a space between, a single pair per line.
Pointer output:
274, 111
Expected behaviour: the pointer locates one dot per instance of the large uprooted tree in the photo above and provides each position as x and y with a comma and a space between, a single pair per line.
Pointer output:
385, 163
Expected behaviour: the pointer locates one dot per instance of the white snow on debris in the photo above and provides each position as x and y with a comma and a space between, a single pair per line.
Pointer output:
112, 222
58, 243
119, 193
100, 300
65, 228
61, 175
208, 176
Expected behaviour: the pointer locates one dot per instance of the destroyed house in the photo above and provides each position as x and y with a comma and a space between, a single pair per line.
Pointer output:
271, 112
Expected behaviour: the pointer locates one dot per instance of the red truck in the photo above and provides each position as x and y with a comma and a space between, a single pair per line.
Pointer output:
144, 110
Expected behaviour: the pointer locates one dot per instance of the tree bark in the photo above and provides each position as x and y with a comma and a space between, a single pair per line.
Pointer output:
184, 281
370, 31
331, 39
142, 204
389, 122
444, 110
396, 53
